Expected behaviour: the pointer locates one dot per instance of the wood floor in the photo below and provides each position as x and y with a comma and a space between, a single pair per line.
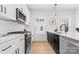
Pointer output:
41, 47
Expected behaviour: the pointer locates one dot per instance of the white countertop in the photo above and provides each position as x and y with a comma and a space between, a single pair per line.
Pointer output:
74, 36
9, 37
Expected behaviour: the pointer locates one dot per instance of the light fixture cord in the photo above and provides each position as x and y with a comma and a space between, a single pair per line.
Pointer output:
55, 10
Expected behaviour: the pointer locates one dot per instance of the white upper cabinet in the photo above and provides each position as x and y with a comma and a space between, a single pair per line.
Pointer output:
8, 11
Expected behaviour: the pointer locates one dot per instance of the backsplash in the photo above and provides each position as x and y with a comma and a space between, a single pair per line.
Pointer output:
8, 26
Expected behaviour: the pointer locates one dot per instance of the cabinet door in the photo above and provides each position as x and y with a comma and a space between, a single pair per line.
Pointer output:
72, 49
63, 45
68, 46
10, 11
7, 47
21, 45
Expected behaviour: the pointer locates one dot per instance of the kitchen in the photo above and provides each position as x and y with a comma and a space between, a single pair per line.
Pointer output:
39, 29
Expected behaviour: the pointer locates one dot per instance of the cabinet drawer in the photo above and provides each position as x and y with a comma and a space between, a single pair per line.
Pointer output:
72, 49
6, 47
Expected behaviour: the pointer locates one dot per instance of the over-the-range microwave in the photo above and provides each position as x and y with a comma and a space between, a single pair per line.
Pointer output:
20, 16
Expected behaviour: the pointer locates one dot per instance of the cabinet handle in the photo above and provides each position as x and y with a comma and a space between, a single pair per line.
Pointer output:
4, 9
15, 51
18, 50
7, 48
1, 8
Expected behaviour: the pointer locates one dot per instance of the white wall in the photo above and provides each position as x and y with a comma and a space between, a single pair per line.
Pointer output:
71, 15
77, 17
9, 26
47, 14
38, 35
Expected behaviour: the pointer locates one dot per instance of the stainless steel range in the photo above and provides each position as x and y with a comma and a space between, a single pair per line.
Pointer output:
27, 41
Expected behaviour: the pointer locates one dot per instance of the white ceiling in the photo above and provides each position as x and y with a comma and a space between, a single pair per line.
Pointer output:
50, 6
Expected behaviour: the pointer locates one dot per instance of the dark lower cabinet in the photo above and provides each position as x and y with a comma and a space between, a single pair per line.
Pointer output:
56, 45
53, 40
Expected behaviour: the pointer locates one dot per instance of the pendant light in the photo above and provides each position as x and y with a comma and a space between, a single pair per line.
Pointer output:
53, 19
